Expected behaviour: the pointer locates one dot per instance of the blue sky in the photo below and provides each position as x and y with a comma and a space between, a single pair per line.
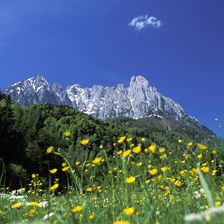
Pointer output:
90, 42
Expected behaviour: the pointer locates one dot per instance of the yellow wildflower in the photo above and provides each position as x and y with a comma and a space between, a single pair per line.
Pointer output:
201, 146
126, 153
183, 173
153, 172
152, 148
89, 189
199, 156
177, 183
77, 209
205, 169
137, 149
120, 152
128, 211
16, 205
50, 149
53, 170
121, 222
139, 164
163, 156
165, 168
162, 150
92, 216
121, 139
64, 164
217, 203
64, 169
54, 187
34, 203
77, 163
31, 213
97, 160
189, 144
142, 139
84, 142
129, 139
130, 180
67, 134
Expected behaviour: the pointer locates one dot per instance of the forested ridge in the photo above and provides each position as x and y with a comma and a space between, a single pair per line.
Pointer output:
27, 131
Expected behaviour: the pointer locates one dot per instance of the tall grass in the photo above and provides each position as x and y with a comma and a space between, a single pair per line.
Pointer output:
136, 183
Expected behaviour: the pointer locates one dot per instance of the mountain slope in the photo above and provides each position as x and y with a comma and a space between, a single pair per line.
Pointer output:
139, 100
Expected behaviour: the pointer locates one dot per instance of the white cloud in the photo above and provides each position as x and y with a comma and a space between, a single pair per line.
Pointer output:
144, 21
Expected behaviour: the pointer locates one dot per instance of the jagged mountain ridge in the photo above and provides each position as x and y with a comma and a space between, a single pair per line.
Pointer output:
138, 100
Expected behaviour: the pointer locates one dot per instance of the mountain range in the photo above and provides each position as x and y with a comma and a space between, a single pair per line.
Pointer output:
138, 100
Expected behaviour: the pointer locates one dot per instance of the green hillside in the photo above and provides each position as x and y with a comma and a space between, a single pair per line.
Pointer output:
27, 131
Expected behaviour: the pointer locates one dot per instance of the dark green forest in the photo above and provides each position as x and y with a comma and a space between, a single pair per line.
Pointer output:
27, 131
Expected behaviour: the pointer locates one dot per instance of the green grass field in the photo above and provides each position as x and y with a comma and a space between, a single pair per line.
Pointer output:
137, 183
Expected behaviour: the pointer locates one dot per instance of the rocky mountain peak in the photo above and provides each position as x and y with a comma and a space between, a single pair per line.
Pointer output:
139, 81
136, 101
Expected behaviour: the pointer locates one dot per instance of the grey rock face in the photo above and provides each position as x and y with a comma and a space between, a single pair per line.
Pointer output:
138, 100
